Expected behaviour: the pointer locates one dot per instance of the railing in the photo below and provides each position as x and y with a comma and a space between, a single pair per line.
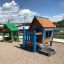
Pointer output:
29, 36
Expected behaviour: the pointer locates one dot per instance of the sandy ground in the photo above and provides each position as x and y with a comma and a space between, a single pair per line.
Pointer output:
11, 54
58, 40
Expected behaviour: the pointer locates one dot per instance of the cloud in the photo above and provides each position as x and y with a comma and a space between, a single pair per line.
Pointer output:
10, 7
27, 12
13, 12
0, 8
56, 18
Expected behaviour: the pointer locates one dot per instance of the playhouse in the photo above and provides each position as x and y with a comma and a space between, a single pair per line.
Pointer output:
43, 26
12, 30
39, 32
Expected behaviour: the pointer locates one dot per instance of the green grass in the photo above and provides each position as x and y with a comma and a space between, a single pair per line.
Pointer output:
60, 36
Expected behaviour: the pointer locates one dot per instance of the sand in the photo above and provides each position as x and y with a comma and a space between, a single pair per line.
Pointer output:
11, 54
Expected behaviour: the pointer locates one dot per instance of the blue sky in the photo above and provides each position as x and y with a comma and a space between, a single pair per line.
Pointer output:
53, 9
43, 7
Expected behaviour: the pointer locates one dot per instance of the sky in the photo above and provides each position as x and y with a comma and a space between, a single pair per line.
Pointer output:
44, 7
52, 9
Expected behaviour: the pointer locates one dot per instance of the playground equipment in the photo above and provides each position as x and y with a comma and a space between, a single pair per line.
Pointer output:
30, 38
39, 34
11, 29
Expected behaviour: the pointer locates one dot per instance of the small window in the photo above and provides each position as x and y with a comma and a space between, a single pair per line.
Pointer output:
38, 29
48, 34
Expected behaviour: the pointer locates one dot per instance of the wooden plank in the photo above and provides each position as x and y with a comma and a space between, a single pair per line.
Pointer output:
47, 40
39, 33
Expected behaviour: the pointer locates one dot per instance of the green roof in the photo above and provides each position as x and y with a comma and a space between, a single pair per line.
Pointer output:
11, 27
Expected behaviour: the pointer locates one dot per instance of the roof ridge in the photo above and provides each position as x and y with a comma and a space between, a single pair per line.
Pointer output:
40, 17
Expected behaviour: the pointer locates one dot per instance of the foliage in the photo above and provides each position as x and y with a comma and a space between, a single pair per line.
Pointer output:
60, 36
59, 23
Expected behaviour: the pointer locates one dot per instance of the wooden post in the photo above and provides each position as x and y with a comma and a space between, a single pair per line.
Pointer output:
23, 37
26, 35
34, 39
43, 34
32, 34
3, 36
18, 36
52, 38
12, 36
52, 34
29, 36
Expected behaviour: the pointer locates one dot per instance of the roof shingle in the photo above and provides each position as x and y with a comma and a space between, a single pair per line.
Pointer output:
45, 22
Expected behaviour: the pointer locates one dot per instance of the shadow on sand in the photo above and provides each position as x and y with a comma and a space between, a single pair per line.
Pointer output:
30, 49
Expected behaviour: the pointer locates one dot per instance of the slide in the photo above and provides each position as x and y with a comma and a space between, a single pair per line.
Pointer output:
45, 49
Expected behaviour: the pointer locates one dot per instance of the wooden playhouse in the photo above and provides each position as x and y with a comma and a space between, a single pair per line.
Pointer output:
44, 27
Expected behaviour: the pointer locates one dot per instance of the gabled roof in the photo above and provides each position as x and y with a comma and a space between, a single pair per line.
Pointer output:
45, 22
42, 22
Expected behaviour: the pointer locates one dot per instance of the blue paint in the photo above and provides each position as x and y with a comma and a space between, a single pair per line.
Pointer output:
26, 35
34, 47
48, 30
52, 34
29, 36
32, 36
23, 37
49, 33
43, 34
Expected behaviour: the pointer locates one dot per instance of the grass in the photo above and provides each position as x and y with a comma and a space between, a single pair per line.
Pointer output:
60, 36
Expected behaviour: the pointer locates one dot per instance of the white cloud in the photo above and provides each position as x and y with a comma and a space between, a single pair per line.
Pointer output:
56, 18
6, 5
12, 7
13, 12
27, 12
0, 8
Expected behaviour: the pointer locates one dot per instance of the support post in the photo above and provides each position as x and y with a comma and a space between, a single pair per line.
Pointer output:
18, 36
43, 35
3, 36
26, 36
23, 37
32, 36
52, 34
12, 36
34, 39
52, 38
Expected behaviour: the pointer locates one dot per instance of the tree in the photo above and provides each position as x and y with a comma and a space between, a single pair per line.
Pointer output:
59, 23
